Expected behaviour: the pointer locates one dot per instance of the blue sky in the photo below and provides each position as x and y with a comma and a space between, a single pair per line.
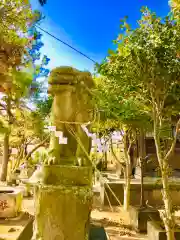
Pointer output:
90, 26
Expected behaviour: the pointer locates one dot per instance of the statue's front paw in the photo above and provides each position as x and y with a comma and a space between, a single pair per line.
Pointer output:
50, 161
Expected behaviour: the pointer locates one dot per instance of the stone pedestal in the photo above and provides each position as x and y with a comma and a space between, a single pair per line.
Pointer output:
140, 216
63, 203
10, 202
157, 232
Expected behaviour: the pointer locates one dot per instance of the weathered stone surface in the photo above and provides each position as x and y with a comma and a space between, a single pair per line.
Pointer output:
10, 202
64, 200
62, 212
156, 232
139, 217
72, 106
67, 175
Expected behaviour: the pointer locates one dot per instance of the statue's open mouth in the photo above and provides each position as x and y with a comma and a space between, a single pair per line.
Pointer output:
56, 86
62, 80
62, 83
67, 76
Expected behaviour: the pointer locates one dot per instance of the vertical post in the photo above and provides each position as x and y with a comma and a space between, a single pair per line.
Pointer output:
4, 169
142, 159
142, 200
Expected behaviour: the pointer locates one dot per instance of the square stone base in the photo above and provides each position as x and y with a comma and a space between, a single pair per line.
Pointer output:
140, 216
10, 202
62, 212
156, 232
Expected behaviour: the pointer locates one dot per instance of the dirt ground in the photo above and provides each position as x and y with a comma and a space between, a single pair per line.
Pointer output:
115, 223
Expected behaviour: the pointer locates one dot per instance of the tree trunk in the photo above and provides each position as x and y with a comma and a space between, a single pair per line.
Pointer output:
127, 174
5, 158
142, 163
168, 218
6, 141
105, 161
142, 200
127, 186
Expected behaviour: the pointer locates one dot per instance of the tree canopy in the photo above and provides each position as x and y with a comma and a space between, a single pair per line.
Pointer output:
145, 67
145, 64
20, 45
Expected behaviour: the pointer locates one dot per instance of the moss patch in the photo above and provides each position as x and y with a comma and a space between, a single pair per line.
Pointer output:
67, 175
62, 212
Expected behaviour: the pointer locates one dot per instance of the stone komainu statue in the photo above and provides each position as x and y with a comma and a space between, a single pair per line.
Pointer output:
72, 106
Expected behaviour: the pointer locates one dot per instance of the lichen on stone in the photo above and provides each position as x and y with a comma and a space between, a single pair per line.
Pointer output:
72, 106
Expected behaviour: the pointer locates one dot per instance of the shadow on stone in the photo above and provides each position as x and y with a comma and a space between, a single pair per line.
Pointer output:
19, 228
27, 233
97, 233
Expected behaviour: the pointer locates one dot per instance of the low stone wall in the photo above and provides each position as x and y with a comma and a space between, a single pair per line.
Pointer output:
156, 232
152, 193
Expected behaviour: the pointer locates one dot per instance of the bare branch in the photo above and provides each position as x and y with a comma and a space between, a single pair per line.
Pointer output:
129, 148
35, 148
130, 145
171, 150
3, 106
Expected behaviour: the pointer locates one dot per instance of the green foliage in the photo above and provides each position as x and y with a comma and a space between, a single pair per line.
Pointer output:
144, 72
44, 106
40, 156
16, 78
119, 108
143, 84
16, 13
28, 128
21, 83
16, 94
3, 125
42, 2
175, 5
15, 16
